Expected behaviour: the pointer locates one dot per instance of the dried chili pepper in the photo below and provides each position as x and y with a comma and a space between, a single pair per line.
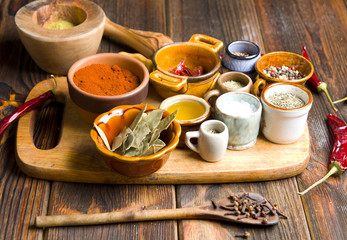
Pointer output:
320, 86
183, 70
338, 159
26, 107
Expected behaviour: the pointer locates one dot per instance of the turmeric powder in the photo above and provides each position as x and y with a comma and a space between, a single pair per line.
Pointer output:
104, 80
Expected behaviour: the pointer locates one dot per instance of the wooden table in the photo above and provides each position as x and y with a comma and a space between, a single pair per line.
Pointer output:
273, 25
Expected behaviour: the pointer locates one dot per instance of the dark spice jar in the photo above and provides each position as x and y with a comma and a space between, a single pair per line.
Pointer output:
241, 56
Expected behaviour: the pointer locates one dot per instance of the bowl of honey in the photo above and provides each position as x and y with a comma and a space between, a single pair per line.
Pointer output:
192, 111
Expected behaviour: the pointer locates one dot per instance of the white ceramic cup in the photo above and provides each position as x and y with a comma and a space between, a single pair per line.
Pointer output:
241, 112
212, 140
284, 126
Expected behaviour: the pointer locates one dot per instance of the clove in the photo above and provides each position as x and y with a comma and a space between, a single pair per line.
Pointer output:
244, 235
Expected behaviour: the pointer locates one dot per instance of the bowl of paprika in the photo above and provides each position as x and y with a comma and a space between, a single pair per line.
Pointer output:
103, 81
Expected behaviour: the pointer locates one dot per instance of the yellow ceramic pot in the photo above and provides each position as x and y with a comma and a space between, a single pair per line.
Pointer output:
279, 59
201, 50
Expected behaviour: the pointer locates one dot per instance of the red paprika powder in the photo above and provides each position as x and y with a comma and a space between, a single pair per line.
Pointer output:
104, 80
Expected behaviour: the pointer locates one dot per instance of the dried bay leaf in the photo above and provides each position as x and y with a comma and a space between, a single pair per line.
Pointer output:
138, 118
141, 138
164, 124
153, 118
155, 147
102, 136
118, 140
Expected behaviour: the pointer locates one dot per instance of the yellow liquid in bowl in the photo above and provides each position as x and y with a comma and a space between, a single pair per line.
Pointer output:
187, 110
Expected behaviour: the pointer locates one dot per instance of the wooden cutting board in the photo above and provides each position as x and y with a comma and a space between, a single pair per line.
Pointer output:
75, 159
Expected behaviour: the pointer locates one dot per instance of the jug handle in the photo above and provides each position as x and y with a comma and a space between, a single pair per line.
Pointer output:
175, 84
189, 144
207, 41
258, 86
145, 42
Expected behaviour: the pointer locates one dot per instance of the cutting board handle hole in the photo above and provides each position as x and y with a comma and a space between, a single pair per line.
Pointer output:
46, 123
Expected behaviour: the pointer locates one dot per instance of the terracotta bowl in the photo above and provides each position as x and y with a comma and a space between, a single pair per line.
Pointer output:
112, 122
89, 106
279, 59
188, 124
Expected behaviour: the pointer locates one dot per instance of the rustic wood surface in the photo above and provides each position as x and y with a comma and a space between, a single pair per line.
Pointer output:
274, 25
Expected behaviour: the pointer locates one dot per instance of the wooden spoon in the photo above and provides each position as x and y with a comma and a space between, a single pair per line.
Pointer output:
220, 210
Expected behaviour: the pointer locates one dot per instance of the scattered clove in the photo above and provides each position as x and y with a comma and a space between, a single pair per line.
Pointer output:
242, 206
244, 235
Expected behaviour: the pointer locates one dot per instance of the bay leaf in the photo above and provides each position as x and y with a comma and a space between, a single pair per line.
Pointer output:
157, 145
102, 136
118, 140
153, 118
138, 118
164, 124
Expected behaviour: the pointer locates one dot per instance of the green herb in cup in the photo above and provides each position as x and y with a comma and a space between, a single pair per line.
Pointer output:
233, 84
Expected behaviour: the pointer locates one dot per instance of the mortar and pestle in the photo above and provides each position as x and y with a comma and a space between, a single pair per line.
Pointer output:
56, 50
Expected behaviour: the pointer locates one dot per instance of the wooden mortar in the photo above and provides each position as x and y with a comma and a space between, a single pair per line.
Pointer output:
56, 50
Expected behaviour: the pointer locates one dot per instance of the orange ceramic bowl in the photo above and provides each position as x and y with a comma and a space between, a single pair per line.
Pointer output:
278, 59
113, 121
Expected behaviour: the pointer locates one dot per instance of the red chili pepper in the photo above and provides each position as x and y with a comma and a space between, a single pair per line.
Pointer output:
338, 159
182, 70
320, 86
26, 107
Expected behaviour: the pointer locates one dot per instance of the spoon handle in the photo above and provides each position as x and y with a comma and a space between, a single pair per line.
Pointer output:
119, 217
144, 42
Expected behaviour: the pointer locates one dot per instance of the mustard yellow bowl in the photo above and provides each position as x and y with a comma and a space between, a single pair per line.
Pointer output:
201, 50
113, 121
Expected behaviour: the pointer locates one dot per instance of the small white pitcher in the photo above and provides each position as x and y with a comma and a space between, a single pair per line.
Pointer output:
212, 140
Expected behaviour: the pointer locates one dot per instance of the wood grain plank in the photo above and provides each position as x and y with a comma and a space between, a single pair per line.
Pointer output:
21, 197
235, 20
69, 198
321, 26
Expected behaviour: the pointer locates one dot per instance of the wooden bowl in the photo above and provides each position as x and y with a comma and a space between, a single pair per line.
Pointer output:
56, 50
113, 121
89, 106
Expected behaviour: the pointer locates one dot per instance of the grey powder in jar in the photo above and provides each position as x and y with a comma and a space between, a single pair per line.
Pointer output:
286, 100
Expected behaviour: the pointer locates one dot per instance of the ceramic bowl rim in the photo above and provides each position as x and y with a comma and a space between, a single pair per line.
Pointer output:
263, 75
182, 97
76, 66
153, 157
260, 108
307, 105
202, 77
243, 57
223, 75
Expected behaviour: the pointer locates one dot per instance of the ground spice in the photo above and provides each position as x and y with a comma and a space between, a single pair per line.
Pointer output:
104, 80
286, 100
233, 84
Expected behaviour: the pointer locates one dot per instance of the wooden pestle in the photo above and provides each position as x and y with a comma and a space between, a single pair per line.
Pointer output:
145, 42
220, 210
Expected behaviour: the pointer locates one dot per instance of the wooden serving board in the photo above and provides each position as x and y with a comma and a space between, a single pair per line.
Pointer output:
75, 158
